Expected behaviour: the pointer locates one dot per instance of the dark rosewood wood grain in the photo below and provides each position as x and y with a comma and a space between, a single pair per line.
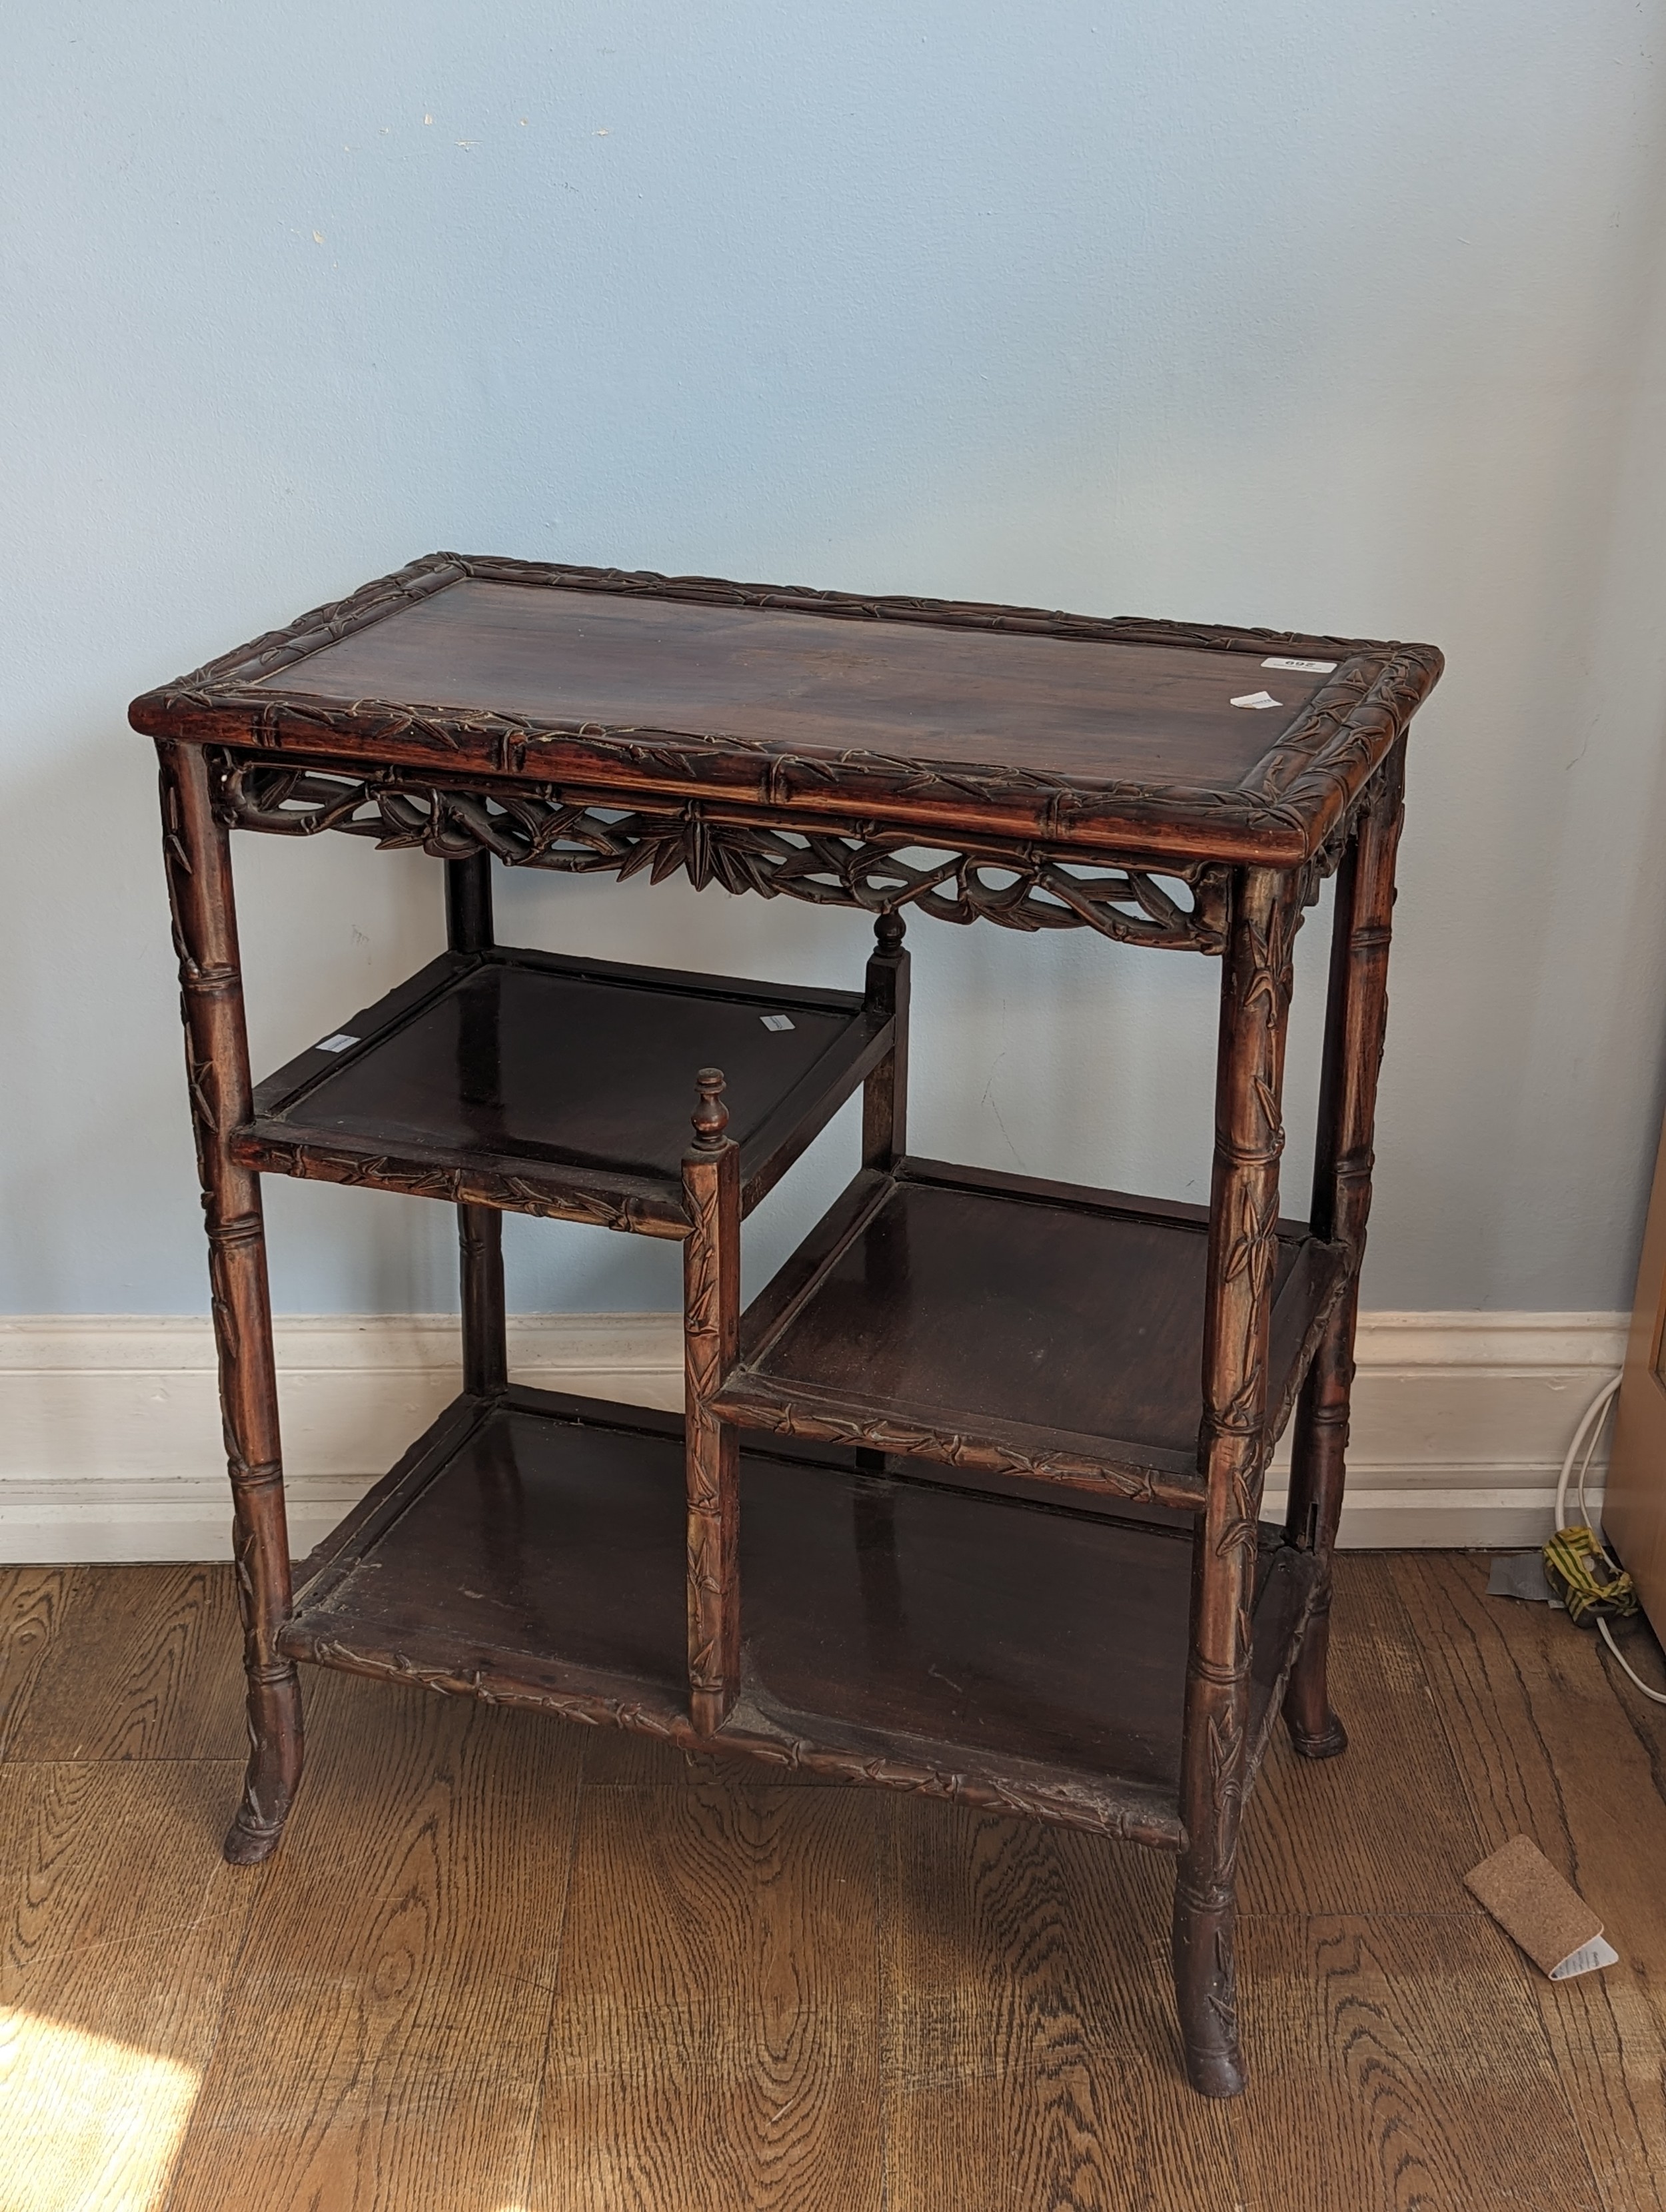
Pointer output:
1093, 709
885, 1093
1356, 1022
196, 849
913, 711
1011, 1324
711, 1329
479, 1228
534, 1553
1003, 1544
1233, 1448
526, 1082
822, 858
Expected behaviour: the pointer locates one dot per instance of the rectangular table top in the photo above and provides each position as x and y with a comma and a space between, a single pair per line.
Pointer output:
1151, 736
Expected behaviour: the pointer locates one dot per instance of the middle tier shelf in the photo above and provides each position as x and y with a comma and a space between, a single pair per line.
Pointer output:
1001, 1323
563, 1087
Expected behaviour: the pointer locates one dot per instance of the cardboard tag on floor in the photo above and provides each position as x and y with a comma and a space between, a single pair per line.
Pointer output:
1546, 1917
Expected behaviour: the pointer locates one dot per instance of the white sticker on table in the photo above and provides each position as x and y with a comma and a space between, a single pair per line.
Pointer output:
1258, 699
339, 1043
1304, 667
777, 1021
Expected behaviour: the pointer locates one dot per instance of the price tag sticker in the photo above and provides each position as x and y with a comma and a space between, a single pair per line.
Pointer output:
339, 1043
1302, 667
777, 1021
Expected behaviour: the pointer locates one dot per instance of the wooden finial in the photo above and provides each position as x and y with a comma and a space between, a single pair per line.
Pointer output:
711, 1115
888, 931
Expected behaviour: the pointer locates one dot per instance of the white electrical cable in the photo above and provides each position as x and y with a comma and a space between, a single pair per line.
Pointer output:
1591, 1419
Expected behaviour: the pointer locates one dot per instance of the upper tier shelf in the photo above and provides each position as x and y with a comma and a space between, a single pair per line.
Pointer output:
561, 1087
1000, 1322
1148, 740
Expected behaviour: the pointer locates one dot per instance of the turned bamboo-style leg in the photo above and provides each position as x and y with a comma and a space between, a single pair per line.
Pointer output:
1232, 1454
711, 1339
885, 1093
479, 1228
1355, 1022
197, 849
485, 1327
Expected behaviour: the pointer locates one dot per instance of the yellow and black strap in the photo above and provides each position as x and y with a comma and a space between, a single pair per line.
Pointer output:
1588, 1584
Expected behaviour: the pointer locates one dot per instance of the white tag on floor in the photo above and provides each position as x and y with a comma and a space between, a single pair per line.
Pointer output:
1257, 699
339, 1043
1599, 1952
777, 1021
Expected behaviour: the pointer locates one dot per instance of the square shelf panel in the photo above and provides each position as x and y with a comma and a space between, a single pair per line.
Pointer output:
899, 1631
561, 1086
1000, 1322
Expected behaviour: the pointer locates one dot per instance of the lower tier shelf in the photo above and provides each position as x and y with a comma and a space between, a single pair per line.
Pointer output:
898, 1629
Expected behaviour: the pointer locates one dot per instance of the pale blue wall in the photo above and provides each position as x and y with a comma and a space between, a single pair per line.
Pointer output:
1338, 319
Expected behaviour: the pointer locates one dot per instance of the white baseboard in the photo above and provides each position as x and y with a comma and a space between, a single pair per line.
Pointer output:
110, 1432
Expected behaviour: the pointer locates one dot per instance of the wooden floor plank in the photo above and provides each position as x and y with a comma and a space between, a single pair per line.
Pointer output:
1544, 1747
715, 2037
383, 2045
33, 1600
1397, 2064
1330, 1835
624, 1758
121, 1923
147, 1664
749, 1994
1642, 1652
1033, 2055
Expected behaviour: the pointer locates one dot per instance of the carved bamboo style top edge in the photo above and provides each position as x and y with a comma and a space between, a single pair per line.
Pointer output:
1281, 814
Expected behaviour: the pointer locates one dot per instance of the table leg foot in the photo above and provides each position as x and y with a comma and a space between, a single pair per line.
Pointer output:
246, 1845
1315, 1732
274, 1771
1206, 1995
1328, 1741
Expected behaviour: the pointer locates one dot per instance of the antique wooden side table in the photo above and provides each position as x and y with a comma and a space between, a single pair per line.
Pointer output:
994, 1532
